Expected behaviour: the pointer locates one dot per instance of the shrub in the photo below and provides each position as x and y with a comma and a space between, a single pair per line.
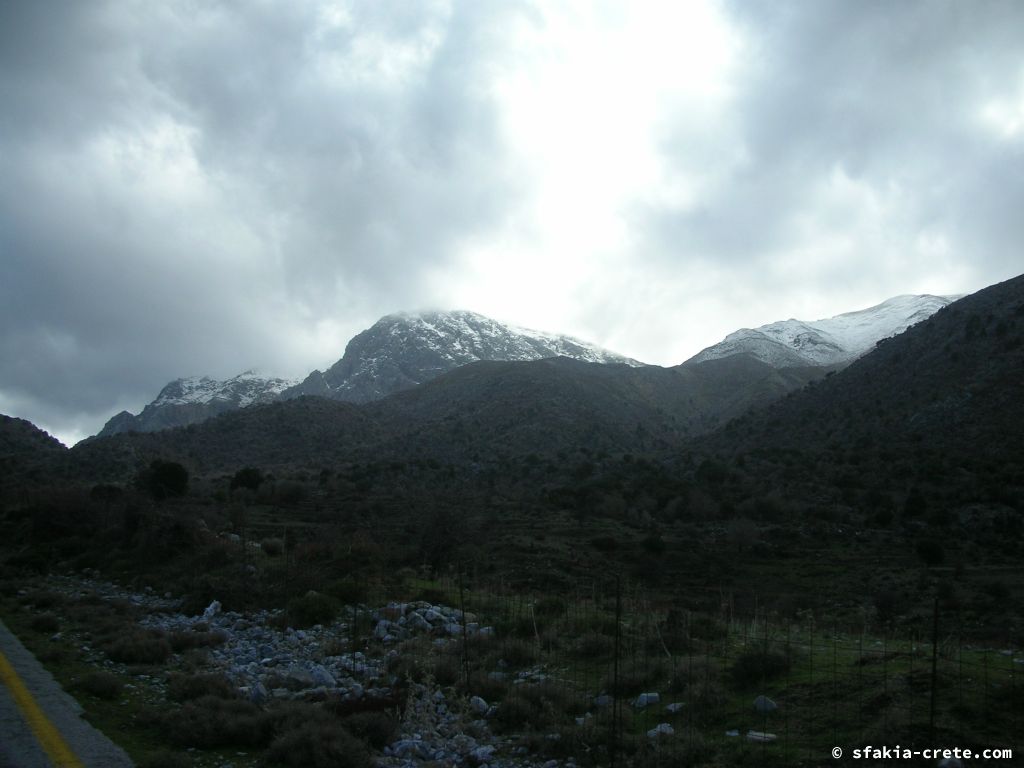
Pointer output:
318, 745
375, 728
312, 608
184, 641
594, 645
138, 648
210, 722
272, 547
931, 552
550, 607
190, 687
519, 653
164, 479
43, 598
102, 685
167, 759
46, 622
248, 477
753, 666
348, 591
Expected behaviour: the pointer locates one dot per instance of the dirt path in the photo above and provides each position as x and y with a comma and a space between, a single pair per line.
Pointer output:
40, 725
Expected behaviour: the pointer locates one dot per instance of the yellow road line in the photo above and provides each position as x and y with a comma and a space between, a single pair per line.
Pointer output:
46, 733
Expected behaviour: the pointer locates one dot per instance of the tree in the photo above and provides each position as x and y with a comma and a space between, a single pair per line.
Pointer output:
164, 479
247, 477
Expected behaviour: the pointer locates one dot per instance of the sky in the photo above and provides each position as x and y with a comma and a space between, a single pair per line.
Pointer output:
201, 188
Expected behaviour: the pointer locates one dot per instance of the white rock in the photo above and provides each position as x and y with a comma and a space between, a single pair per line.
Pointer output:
661, 729
212, 610
646, 699
478, 705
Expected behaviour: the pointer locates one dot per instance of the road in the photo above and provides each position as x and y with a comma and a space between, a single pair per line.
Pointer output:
40, 725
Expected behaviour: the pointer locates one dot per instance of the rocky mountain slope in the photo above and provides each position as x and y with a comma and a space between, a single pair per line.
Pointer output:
402, 350
194, 399
834, 341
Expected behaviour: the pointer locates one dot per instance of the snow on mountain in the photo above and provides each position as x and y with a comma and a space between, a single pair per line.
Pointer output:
405, 349
832, 341
197, 398
241, 391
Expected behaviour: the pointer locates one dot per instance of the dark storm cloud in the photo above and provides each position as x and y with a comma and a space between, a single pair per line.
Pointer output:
186, 184
884, 98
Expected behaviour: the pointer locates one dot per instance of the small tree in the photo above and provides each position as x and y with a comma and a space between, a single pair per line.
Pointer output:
248, 477
164, 479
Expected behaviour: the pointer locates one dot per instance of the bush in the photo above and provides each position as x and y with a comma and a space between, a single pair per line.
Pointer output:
164, 479
249, 477
102, 685
753, 666
138, 648
593, 645
348, 591
43, 598
46, 622
166, 759
210, 722
272, 547
319, 745
375, 728
191, 687
931, 552
312, 608
184, 641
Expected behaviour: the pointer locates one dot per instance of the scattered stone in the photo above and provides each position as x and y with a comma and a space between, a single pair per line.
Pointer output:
675, 706
645, 700
478, 705
764, 705
212, 610
661, 729
760, 736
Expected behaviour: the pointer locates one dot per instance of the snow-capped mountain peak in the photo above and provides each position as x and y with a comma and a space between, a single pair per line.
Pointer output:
831, 341
404, 349
196, 398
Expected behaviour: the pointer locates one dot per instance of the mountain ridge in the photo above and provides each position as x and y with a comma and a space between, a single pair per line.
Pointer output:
832, 341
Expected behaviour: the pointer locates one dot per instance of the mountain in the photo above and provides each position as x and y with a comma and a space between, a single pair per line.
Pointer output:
834, 341
194, 399
25, 450
479, 414
402, 350
939, 408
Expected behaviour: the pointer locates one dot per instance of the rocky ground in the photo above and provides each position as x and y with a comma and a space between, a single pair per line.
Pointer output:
438, 726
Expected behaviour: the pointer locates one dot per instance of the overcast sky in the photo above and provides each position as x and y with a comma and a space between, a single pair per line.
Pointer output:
202, 188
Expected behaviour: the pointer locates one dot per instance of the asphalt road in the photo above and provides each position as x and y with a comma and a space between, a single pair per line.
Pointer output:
41, 725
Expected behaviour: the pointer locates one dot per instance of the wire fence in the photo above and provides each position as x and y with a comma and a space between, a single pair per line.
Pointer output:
611, 677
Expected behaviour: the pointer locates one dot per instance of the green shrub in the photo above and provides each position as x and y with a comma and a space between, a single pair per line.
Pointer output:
210, 722
347, 591
190, 687
42, 598
184, 641
167, 759
318, 745
102, 685
272, 547
312, 608
753, 666
46, 622
377, 729
594, 645
519, 653
138, 648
